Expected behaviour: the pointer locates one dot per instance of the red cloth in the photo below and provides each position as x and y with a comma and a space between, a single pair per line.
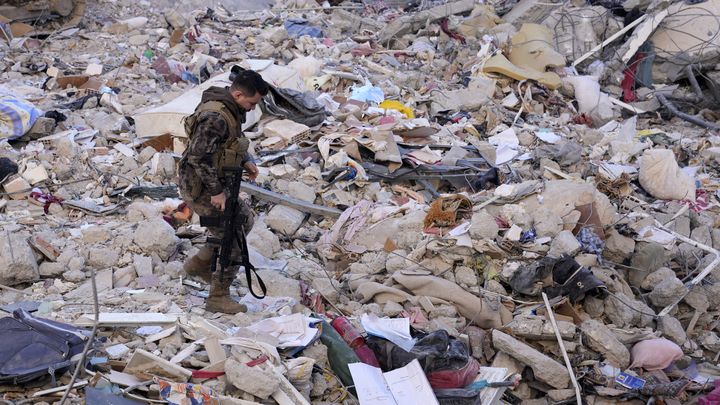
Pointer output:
628, 83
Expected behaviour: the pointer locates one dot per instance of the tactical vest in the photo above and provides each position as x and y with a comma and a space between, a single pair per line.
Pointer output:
231, 153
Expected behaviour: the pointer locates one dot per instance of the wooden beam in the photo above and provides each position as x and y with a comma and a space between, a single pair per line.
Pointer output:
296, 203
610, 39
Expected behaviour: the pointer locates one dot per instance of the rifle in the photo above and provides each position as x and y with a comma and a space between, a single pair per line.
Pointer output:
222, 248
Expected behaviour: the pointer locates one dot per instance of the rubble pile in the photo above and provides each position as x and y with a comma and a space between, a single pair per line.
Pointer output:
458, 202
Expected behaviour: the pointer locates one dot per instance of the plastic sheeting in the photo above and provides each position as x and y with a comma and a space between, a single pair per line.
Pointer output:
167, 119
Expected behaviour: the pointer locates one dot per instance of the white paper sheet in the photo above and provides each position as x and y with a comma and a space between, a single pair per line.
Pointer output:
404, 386
370, 385
504, 154
548, 136
506, 137
291, 330
396, 330
410, 386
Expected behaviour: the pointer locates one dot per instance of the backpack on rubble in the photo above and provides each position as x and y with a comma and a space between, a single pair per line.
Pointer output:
34, 348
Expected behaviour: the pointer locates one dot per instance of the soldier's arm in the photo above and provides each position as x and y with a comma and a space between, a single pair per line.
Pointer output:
209, 132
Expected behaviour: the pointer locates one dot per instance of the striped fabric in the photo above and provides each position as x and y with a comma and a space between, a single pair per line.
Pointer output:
17, 116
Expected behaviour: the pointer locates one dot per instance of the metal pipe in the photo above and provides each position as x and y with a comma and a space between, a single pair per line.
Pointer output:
687, 117
693, 82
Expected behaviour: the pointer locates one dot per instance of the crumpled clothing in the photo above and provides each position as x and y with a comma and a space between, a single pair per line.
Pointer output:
7, 168
590, 241
574, 280
186, 394
713, 397
45, 198
368, 93
528, 236
701, 203
294, 105
655, 354
297, 27
670, 390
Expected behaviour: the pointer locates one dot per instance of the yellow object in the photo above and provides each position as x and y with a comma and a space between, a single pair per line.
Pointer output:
396, 105
648, 132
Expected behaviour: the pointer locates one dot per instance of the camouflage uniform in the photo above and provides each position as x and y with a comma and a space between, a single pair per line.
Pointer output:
201, 178
211, 133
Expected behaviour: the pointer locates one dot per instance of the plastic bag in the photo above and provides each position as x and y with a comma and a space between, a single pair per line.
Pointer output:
655, 354
300, 374
591, 100
445, 359
661, 176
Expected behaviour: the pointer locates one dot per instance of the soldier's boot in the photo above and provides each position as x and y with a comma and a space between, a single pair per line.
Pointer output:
199, 264
219, 299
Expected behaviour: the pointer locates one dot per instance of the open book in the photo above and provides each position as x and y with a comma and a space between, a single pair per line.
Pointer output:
403, 386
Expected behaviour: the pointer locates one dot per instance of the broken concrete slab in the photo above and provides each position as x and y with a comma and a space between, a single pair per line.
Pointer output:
545, 369
253, 380
17, 260
285, 220
601, 339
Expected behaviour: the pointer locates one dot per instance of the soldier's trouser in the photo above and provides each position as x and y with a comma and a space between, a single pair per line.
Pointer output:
243, 220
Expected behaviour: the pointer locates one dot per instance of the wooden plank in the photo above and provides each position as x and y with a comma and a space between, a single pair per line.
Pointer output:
186, 352
59, 389
123, 379
609, 40
298, 204
161, 335
123, 319
642, 33
144, 364
215, 352
626, 106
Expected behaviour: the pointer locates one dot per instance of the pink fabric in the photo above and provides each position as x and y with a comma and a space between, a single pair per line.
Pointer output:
655, 354
712, 398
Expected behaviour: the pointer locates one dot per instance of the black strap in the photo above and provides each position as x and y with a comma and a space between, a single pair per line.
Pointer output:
249, 268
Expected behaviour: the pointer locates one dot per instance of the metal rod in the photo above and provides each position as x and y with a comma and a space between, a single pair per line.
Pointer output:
693, 82
687, 117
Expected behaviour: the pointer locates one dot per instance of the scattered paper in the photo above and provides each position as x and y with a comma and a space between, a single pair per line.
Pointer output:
267, 304
612, 170
548, 136
506, 137
657, 235
403, 386
290, 330
396, 330
492, 395
504, 154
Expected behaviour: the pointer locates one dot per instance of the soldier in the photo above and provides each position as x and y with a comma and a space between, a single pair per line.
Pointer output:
216, 141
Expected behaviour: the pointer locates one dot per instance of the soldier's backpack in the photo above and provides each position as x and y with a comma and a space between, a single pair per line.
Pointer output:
34, 348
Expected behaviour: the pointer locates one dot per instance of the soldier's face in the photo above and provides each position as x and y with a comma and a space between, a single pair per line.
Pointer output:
246, 102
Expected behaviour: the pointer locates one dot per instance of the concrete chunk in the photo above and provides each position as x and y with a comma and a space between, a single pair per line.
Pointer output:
17, 261
284, 219
545, 369
253, 380
601, 339
156, 236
